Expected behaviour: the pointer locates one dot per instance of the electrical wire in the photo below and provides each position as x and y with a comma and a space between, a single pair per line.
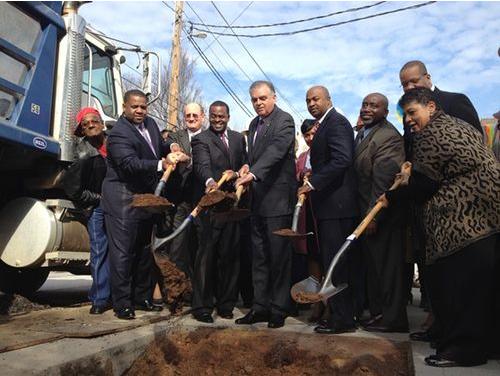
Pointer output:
297, 113
292, 22
314, 28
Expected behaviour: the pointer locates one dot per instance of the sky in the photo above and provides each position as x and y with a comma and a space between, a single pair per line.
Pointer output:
458, 41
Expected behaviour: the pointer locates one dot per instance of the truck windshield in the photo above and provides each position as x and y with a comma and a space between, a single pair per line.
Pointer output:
103, 90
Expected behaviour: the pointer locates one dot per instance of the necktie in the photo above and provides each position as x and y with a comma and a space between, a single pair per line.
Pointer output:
259, 131
361, 136
145, 134
224, 140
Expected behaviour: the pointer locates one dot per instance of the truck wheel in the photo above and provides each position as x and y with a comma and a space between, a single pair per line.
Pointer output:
21, 281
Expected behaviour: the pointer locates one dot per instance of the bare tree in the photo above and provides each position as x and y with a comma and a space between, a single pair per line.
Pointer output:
189, 91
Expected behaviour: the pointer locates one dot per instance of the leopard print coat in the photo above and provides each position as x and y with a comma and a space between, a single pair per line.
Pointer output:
466, 207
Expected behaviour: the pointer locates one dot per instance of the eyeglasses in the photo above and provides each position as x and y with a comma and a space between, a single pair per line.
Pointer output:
86, 123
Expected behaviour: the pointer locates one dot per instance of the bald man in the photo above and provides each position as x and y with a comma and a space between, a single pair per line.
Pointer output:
180, 190
378, 156
332, 191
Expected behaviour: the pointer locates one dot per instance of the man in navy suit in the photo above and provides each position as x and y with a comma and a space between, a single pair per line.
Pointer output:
135, 163
332, 191
216, 151
271, 173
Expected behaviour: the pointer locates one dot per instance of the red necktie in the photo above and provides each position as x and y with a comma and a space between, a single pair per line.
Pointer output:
224, 141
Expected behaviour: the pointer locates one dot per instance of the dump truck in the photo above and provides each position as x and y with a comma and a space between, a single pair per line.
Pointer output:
51, 64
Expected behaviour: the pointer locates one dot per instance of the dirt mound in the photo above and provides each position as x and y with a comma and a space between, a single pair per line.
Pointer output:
211, 351
211, 199
17, 304
175, 284
288, 232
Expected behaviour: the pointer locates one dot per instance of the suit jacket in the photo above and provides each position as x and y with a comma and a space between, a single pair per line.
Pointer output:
333, 178
132, 167
211, 157
272, 161
180, 184
377, 160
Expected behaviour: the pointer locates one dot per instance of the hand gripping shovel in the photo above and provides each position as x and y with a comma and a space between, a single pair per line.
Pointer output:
309, 289
234, 214
206, 201
154, 202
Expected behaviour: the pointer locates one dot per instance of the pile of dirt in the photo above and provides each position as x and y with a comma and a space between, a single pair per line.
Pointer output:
304, 297
176, 285
211, 199
150, 202
289, 233
18, 304
211, 351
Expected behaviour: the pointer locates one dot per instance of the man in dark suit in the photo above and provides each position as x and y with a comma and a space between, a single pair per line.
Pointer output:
333, 194
135, 149
180, 190
271, 172
414, 74
378, 156
216, 151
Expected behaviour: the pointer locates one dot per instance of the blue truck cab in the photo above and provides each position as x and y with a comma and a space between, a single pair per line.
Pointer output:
51, 65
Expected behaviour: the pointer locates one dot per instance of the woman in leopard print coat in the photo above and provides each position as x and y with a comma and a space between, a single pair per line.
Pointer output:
457, 178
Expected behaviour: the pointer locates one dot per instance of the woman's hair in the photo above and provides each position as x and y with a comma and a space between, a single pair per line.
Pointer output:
420, 95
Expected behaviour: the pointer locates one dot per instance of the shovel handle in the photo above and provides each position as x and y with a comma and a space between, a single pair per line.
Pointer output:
239, 192
167, 173
405, 168
302, 198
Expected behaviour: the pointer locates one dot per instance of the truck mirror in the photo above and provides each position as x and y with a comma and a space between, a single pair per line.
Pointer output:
146, 74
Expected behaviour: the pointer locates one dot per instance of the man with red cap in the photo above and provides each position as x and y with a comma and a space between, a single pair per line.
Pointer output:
82, 183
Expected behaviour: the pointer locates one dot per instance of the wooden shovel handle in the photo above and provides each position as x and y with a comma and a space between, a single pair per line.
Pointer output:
302, 198
406, 167
239, 192
167, 173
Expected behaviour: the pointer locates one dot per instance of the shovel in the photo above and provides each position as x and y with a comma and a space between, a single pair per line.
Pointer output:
234, 214
206, 201
154, 202
292, 233
309, 290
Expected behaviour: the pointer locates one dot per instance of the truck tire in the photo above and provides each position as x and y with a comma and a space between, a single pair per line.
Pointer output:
21, 281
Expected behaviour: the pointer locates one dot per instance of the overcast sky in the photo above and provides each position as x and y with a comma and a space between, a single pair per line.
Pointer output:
458, 41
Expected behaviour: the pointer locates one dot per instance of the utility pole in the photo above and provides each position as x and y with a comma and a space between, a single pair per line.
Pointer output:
175, 60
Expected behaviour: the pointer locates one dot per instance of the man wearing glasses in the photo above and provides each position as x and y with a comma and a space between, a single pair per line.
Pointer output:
180, 189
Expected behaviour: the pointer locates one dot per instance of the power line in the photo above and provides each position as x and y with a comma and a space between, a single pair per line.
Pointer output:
207, 61
219, 77
293, 22
257, 64
222, 46
314, 28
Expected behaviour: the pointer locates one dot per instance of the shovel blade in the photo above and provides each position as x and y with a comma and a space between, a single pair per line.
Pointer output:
330, 290
306, 291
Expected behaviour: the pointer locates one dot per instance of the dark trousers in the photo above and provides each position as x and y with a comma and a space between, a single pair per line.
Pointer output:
245, 276
332, 234
387, 287
271, 265
130, 260
100, 291
183, 247
216, 265
461, 301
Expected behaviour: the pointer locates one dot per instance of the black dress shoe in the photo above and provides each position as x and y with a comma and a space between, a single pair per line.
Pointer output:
370, 320
125, 314
323, 329
203, 317
276, 321
99, 309
146, 305
385, 329
225, 314
252, 317
421, 336
437, 361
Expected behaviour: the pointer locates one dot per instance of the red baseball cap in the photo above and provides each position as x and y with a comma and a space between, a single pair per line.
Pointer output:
79, 117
